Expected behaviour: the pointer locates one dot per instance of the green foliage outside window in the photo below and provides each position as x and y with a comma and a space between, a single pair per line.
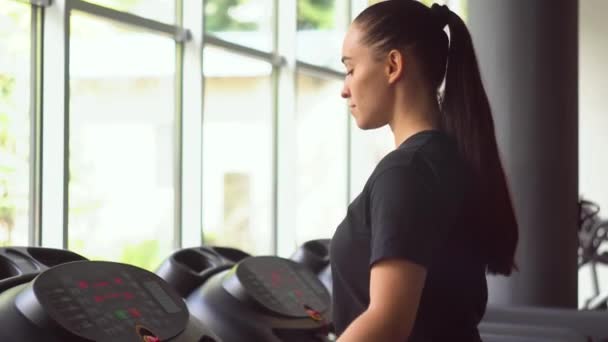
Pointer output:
316, 14
144, 254
16, 18
312, 14
217, 17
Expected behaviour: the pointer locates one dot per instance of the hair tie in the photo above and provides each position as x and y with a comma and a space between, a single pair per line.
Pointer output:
442, 14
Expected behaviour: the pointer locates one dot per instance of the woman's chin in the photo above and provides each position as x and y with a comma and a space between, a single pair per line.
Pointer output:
366, 125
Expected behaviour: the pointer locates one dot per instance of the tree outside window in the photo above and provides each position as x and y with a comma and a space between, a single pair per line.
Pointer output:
14, 122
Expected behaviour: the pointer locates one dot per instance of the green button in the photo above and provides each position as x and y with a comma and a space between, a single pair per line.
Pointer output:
121, 314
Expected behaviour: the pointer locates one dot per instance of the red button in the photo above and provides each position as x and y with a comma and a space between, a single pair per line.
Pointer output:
134, 312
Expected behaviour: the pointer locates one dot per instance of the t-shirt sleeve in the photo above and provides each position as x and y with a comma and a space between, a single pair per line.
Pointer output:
405, 216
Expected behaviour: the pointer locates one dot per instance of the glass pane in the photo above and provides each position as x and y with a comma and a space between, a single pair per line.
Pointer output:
368, 147
321, 28
160, 10
14, 122
121, 143
237, 152
322, 125
245, 22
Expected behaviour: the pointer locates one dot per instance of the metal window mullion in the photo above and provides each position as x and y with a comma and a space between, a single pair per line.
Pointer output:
35, 157
52, 135
66, 129
275, 154
285, 144
37, 3
271, 57
178, 138
192, 109
275, 127
319, 71
41, 3
173, 31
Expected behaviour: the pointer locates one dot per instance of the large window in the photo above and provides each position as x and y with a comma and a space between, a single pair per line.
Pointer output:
263, 88
122, 124
14, 123
237, 152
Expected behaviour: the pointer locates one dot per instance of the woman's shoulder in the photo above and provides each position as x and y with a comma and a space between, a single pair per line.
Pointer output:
398, 166
429, 158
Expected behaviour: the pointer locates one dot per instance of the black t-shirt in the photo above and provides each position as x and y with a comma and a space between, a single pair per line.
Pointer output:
415, 206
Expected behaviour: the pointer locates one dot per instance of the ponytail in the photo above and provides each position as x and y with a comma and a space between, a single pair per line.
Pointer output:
466, 116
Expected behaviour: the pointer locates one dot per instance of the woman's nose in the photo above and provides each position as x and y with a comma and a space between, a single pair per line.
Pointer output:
345, 93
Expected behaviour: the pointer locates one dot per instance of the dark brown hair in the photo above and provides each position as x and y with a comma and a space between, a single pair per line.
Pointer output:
415, 29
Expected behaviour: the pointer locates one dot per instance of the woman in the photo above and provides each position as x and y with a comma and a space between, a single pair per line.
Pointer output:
410, 258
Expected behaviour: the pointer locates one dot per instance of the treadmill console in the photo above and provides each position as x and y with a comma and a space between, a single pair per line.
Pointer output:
105, 301
280, 286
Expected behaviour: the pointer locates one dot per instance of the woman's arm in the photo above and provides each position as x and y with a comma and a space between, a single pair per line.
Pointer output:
395, 290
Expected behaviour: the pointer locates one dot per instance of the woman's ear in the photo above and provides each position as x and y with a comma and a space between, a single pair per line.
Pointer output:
395, 64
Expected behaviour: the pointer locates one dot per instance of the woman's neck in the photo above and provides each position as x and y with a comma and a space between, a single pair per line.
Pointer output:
411, 119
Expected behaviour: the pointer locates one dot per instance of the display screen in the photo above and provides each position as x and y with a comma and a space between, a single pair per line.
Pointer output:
105, 301
282, 286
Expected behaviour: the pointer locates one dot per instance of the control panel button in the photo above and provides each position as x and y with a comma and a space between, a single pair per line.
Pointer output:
121, 314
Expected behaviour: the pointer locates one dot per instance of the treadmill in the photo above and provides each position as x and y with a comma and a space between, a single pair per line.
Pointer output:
54, 295
251, 298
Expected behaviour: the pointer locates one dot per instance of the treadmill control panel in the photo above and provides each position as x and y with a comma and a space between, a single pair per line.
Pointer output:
282, 286
106, 301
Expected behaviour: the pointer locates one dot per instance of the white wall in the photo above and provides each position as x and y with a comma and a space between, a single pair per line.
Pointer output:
593, 116
593, 94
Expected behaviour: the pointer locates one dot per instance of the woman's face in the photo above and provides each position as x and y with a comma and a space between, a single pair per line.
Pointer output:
366, 85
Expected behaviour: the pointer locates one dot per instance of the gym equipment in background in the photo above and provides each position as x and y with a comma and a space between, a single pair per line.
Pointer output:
314, 254
55, 295
19, 265
250, 298
592, 233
